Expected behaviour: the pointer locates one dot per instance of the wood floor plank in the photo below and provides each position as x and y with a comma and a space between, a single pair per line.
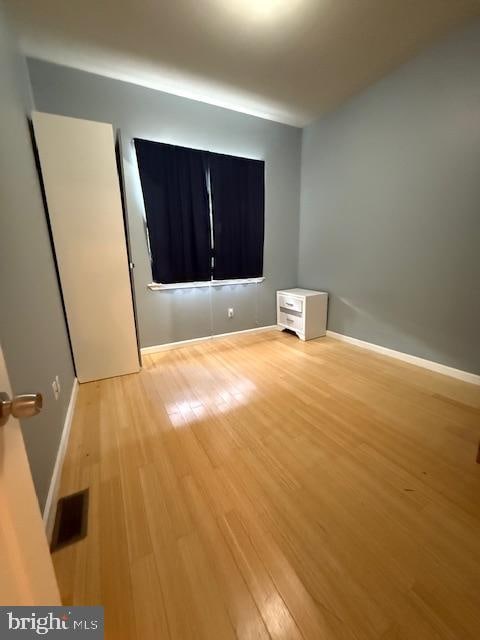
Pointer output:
182, 619
150, 616
115, 576
275, 613
205, 594
244, 614
261, 487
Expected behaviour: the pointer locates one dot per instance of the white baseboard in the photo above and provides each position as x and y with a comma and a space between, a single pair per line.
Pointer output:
49, 510
183, 343
406, 357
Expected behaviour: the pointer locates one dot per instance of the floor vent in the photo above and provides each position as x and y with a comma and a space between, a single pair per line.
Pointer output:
71, 520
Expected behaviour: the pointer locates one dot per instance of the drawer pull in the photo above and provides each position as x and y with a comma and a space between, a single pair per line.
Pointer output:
291, 319
290, 303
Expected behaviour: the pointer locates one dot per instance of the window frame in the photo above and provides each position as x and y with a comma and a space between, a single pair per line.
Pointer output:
159, 286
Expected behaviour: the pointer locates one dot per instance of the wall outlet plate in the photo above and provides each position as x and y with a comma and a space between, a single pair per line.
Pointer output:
230, 312
56, 389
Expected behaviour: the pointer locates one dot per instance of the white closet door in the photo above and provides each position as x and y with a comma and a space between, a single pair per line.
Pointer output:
79, 171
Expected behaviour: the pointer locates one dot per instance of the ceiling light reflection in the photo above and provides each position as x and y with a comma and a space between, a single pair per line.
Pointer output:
262, 10
185, 411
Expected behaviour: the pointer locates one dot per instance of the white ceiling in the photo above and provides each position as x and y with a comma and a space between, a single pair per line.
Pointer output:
287, 60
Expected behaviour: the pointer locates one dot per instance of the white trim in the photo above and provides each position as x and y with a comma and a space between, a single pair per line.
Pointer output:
406, 357
49, 510
158, 286
145, 351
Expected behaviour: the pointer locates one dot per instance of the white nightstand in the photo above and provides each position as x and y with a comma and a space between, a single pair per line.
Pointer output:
303, 311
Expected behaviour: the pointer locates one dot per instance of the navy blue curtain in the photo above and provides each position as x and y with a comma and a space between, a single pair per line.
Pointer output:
238, 203
177, 208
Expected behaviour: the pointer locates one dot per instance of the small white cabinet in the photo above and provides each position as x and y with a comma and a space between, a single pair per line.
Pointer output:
303, 311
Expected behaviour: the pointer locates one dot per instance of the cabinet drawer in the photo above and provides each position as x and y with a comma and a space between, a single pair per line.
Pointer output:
290, 303
293, 322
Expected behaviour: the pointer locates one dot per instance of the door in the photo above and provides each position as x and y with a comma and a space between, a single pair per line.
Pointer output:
121, 179
26, 571
80, 179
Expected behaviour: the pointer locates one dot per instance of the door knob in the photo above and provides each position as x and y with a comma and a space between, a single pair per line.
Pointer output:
22, 406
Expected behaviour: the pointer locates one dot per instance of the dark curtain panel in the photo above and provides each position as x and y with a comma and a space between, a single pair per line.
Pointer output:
238, 203
176, 204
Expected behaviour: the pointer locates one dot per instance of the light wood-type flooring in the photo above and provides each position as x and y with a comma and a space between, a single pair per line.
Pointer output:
260, 487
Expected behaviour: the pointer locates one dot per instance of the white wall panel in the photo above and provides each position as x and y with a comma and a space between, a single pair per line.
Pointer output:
79, 172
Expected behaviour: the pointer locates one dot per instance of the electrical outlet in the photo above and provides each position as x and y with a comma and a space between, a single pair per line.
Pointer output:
230, 312
56, 389
57, 380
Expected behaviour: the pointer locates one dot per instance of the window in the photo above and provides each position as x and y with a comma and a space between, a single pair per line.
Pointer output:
205, 213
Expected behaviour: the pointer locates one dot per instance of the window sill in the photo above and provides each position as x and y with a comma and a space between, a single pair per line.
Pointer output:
157, 286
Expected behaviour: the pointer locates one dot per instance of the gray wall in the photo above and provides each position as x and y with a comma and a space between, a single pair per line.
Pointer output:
390, 208
139, 112
32, 328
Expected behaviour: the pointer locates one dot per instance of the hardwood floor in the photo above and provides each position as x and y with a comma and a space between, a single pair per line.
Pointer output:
261, 487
